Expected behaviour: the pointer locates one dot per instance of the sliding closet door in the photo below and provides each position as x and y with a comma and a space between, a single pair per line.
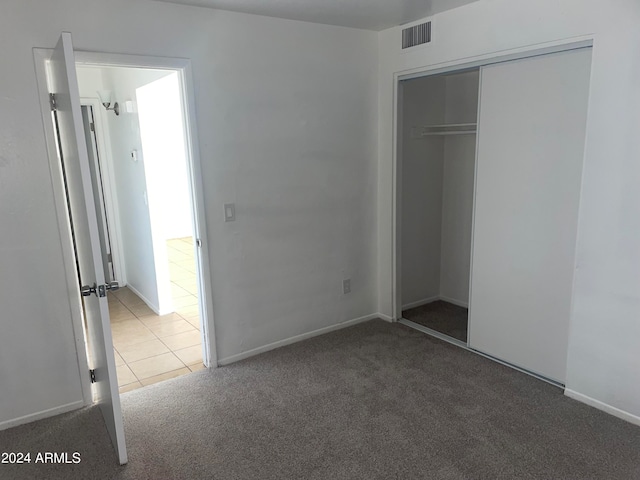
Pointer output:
530, 153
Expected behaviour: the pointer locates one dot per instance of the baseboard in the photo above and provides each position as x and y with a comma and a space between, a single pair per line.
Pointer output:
419, 303
150, 304
453, 301
426, 301
384, 317
616, 412
51, 412
294, 339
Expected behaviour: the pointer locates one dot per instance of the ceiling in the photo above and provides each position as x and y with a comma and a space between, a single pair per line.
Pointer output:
366, 14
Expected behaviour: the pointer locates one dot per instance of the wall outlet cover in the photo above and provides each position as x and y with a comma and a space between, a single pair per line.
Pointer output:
229, 212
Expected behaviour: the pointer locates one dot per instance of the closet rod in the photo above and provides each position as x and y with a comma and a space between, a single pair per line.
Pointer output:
444, 129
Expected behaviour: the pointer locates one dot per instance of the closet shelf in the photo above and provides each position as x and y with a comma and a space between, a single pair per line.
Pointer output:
444, 129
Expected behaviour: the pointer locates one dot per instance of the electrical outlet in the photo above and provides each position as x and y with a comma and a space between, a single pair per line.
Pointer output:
346, 286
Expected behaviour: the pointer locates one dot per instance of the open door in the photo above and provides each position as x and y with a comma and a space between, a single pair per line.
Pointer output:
85, 231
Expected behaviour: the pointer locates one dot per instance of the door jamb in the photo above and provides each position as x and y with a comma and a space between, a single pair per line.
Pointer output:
396, 177
103, 145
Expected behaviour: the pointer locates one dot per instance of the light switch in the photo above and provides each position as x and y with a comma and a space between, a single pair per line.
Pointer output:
229, 212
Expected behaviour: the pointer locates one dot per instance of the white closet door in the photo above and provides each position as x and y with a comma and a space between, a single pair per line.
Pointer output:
530, 153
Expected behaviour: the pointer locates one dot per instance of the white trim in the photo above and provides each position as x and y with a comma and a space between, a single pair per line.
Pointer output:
103, 59
545, 48
384, 317
32, 417
420, 303
473, 206
149, 303
295, 339
41, 56
396, 199
453, 301
592, 402
196, 187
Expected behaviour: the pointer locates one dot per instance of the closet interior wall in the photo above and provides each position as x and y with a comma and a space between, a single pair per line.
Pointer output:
437, 185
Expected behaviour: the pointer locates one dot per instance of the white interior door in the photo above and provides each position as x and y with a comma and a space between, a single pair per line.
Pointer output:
84, 224
531, 135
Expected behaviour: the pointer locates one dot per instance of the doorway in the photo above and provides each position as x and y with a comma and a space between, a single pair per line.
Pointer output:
76, 212
141, 174
439, 122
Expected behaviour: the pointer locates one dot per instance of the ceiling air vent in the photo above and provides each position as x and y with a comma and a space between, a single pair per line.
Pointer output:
416, 35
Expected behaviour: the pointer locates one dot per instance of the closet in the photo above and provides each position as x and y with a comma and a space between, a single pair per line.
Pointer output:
439, 115
489, 176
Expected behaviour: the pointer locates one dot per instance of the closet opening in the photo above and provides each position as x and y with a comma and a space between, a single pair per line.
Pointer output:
437, 117
487, 179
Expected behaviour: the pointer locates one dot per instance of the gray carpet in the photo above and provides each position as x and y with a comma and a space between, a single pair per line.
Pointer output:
375, 401
442, 317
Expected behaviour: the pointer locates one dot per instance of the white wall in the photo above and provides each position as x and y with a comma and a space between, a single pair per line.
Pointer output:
287, 124
458, 189
462, 97
422, 170
163, 144
90, 80
603, 362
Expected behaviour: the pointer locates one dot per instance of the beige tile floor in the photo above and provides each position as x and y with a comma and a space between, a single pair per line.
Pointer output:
151, 348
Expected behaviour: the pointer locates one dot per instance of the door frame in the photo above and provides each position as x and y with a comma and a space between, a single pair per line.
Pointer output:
396, 177
103, 145
183, 67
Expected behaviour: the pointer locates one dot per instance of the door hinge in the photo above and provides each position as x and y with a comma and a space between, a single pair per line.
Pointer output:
52, 102
109, 258
92, 374
92, 126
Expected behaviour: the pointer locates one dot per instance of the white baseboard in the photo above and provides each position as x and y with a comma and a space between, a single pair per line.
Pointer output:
426, 301
616, 412
384, 317
294, 339
419, 303
150, 304
51, 412
454, 301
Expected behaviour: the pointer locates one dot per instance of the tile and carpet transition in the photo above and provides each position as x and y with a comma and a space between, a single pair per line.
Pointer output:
443, 317
374, 401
